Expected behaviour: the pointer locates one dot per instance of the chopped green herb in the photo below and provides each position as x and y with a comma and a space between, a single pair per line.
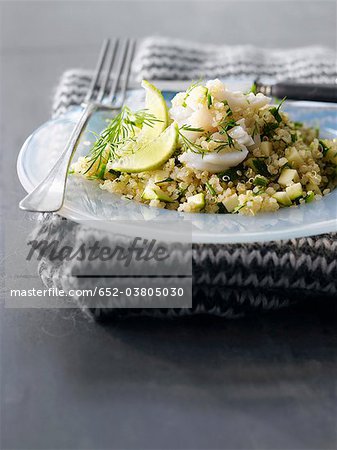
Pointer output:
298, 124
260, 181
222, 208
253, 88
229, 112
325, 148
226, 126
194, 85
237, 209
230, 174
261, 167
260, 191
255, 130
268, 129
210, 188
209, 100
276, 111
187, 143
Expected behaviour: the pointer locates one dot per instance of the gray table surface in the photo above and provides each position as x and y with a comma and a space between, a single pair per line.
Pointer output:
265, 382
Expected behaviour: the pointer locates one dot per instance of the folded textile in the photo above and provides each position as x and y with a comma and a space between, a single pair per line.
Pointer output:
228, 279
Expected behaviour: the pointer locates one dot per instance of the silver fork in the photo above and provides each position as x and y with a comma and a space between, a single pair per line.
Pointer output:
48, 195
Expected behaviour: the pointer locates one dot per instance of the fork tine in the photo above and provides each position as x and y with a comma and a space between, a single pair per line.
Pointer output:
105, 81
127, 70
98, 70
115, 83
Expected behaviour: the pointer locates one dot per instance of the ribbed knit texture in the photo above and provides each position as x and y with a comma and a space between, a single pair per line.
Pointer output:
228, 279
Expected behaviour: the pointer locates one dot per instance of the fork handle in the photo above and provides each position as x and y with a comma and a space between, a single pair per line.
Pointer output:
301, 91
48, 195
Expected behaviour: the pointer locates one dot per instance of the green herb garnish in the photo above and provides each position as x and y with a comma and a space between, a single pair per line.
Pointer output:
260, 181
325, 148
261, 167
268, 129
209, 100
276, 111
229, 112
225, 127
253, 88
121, 129
298, 124
187, 143
210, 188
222, 208
231, 174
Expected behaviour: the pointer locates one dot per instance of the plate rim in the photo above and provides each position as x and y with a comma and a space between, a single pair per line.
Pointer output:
199, 236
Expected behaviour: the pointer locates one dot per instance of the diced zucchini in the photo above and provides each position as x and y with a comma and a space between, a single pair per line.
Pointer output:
155, 193
197, 202
231, 202
313, 187
160, 175
309, 197
294, 157
294, 191
282, 198
266, 148
331, 155
288, 177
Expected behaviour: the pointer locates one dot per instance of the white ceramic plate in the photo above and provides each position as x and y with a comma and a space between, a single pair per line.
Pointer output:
86, 201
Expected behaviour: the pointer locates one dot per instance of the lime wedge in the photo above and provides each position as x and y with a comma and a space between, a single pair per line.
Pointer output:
148, 156
155, 105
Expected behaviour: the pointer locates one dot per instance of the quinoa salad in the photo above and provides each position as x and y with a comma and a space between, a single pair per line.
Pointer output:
212, 151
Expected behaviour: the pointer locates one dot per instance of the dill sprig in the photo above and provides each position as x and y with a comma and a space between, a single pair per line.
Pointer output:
190, 89
187, 144
229, 112
120, 130
226, 126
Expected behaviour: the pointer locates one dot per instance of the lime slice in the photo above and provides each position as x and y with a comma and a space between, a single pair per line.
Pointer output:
149, 156
155, 105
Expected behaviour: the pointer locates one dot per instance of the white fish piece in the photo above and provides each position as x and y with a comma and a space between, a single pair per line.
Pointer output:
258, 101
178, 99
203, 119
217, 89
213, 162
196, 98
236, 100
180, 114
241, 136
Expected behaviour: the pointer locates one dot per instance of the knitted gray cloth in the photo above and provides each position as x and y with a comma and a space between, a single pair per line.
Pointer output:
228, 279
